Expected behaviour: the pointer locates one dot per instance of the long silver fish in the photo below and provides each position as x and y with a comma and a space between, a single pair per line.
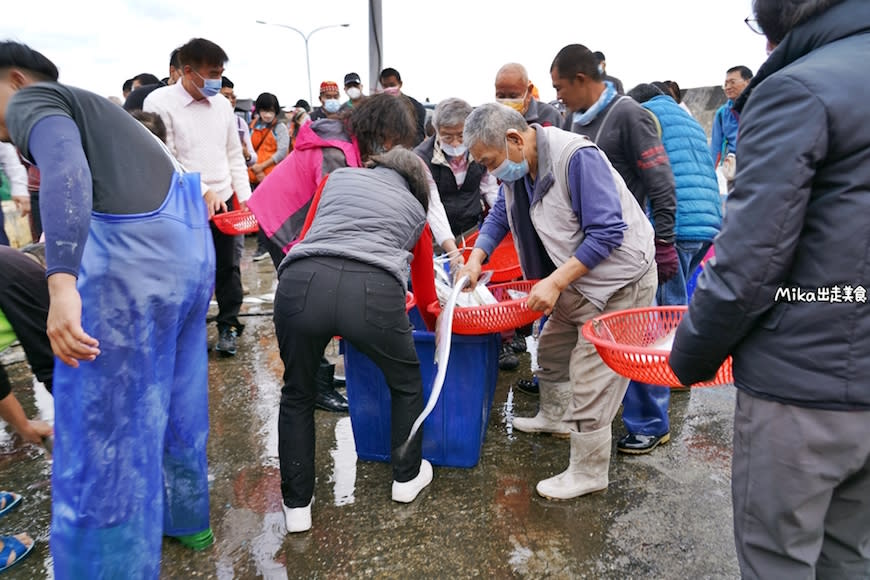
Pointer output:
443, 335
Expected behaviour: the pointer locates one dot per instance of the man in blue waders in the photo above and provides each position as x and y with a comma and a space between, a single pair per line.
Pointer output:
126, 322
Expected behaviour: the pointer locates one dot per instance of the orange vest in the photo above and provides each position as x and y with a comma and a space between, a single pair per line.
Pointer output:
265, 145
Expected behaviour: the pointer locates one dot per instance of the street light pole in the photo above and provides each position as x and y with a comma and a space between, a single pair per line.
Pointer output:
305, 37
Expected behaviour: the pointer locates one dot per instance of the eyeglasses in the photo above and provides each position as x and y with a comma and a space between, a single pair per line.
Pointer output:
450, 137
753, 25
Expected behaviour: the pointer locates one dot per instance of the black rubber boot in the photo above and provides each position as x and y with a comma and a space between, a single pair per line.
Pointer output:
328, 398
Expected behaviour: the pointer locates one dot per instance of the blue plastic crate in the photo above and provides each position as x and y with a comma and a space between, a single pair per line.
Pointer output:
453, 433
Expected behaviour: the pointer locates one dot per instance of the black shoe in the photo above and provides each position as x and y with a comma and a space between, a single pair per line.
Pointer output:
507, 360
331, 401
640, 444
518, 343
226, 344
529, 386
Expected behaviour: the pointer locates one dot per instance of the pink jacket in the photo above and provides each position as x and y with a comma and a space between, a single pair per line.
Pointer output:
282, 200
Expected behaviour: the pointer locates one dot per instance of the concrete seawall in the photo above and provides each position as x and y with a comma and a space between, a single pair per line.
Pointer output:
703, 102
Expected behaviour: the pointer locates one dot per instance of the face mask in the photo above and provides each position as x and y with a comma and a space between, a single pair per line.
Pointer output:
392, 90
454, 151
267, 117
353, 93
511, 170
211, 87
331, 105
515, 104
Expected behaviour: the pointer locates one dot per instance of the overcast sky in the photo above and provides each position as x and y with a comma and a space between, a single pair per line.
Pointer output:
443, 48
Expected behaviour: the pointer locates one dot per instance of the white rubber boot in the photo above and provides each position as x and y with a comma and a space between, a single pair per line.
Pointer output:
554, 401
587, 470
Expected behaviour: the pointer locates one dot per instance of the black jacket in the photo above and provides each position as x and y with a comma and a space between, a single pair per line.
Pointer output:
462, 204
798, 221
627, 134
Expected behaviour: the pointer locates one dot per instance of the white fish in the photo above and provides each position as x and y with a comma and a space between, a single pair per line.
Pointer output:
666, 342
443, 335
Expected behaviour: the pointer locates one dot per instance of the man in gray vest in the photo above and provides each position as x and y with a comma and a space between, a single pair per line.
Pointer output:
580, 232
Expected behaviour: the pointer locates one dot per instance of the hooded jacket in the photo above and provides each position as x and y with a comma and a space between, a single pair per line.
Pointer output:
282, 200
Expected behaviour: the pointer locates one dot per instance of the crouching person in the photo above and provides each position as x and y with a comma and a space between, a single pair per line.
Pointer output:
580, 231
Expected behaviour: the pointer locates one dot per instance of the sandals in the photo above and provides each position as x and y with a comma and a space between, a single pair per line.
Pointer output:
8, 500
13, 551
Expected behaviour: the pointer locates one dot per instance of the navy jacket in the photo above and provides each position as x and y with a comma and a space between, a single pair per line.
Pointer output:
786, 292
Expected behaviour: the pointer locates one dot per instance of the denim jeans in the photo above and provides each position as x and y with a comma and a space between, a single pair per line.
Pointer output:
645, 407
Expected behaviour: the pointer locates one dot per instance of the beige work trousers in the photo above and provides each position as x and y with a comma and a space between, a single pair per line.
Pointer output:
564, 355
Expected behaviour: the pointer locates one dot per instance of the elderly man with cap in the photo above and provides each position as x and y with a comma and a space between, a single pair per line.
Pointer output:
329, 102
353, 90
514, 89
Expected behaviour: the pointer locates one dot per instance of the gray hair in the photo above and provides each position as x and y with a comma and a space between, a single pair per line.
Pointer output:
778, 17
409, 165
488, 124
450, 112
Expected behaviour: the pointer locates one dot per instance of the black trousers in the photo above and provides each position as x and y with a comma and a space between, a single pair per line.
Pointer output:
318, 298
24, 302
228, 280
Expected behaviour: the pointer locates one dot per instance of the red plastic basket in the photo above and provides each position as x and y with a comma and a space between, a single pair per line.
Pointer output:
504, 262
410, 301
489, 318
624, 338
236, 222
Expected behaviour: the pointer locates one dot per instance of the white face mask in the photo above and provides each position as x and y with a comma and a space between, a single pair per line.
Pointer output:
331, 105
267, 117
353, 93
453, 151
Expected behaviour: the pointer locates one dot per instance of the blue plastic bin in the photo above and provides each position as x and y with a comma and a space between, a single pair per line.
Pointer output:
453, 433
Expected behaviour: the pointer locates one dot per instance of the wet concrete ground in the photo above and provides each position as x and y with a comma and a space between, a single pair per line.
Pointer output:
665, 515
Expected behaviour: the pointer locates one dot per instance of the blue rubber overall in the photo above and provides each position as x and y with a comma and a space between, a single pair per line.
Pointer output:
131, 426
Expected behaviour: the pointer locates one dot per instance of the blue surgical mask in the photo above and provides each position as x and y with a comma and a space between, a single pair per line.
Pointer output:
211, 87
452, 151
331, 105
511, 170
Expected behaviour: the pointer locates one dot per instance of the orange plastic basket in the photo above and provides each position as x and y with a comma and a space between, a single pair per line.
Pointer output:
624, 338
489, 318
236, 222
504, 262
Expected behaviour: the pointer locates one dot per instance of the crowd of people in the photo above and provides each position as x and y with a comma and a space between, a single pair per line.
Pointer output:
612, 199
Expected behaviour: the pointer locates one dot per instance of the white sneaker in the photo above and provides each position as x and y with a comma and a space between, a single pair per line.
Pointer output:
297, 519
407, 491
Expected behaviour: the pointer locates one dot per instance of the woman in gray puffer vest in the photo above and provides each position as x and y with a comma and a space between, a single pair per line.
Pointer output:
347, 277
